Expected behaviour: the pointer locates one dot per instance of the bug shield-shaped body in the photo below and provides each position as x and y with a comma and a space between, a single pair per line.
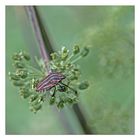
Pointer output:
50, 81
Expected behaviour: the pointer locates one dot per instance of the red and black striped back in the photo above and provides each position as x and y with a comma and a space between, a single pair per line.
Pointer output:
51, 80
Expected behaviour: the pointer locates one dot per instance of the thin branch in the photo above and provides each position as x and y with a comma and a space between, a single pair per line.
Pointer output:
81, 119
35, 25
45, 35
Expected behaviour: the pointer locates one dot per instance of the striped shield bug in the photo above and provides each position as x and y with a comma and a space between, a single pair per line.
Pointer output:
51, 81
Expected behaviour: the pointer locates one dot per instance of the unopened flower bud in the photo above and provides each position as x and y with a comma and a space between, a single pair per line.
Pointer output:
76, 49
54, 56
18, 83
33, 97
36, 107
64, 53
84, 52
19, 64
13, 76
52, 100
24, 94
17, 57
22, 73
26, 56
69, 100
60, 104
83, 85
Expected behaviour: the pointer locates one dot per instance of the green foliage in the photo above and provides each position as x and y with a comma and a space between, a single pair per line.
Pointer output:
26, 77
113, 43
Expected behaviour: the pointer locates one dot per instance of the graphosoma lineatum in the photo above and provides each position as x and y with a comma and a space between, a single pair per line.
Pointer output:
50, 81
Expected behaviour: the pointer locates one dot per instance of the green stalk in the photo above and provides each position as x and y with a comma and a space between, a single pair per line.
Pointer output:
35, 25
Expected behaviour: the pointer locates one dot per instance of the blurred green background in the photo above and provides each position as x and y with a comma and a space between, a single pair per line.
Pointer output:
108, 104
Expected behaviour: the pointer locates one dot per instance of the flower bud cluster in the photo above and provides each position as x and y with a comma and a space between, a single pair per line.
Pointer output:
26, 77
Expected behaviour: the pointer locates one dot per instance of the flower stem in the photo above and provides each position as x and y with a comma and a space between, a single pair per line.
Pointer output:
34, 69
76, 59
35, 25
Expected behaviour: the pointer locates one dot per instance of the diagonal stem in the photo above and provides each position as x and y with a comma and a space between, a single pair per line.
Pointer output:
35, 25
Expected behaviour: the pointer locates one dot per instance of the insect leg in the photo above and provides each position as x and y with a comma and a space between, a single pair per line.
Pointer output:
69, 87
54, 91
62, 88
